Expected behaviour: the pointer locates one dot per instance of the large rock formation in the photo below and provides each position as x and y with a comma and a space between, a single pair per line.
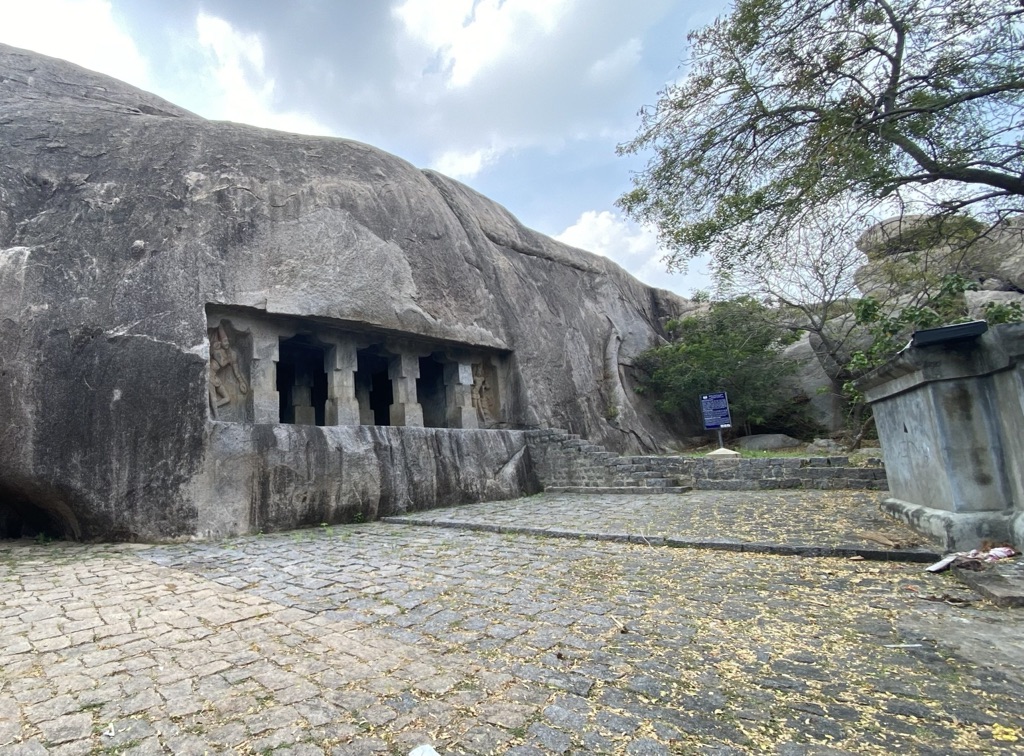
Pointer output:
905, 256
908, 254
164, 278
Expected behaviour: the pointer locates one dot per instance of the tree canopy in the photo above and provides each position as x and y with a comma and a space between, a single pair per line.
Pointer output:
794, 104
734, 347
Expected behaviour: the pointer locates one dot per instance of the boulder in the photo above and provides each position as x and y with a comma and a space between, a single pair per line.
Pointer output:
908, 253
1007, 244
814, 366
825, 446
164, 278
768, 442
977, 300
885, 237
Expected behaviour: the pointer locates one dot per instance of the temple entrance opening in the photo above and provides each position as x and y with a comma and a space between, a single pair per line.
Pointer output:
374, 391
430, 390
302, 381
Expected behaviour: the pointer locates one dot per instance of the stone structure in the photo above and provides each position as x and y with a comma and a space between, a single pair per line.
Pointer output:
209, 328
308, 373
565, 462
950, 419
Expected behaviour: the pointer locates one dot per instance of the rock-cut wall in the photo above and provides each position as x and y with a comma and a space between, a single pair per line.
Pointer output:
159, 272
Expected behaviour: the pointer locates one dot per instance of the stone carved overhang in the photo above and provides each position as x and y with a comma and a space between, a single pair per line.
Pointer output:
415, 325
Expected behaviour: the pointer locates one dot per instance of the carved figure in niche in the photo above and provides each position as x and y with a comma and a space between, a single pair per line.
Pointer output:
223, 357
482, 396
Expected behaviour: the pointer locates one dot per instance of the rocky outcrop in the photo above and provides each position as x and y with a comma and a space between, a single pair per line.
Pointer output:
768, 442
817, 373
908, 253
264, 477
134, 234
905, 256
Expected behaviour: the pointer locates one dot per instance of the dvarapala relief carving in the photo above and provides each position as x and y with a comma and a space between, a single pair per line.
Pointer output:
228, 386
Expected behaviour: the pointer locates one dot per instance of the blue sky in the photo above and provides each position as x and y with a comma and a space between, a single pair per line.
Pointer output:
523, 100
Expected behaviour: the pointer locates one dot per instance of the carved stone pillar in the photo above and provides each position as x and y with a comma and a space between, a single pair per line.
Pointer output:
362, 388
458, 388
342, 405
265, 399
406, 410
301, 398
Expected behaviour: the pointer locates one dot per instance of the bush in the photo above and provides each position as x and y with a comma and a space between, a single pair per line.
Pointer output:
737, 348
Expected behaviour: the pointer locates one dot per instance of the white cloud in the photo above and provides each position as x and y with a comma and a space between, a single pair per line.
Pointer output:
464, 165
231, 82
633, 247
84, 32
470, 35
618, 62
607, 234
236, 86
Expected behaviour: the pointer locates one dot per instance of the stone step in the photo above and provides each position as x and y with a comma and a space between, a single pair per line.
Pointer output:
660, 482
619, 489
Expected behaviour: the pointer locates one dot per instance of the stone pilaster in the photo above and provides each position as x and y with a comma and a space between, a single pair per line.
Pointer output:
458, 388
266, 401
342, 406
406, 410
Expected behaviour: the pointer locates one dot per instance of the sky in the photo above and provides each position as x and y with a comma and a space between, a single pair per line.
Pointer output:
525, 101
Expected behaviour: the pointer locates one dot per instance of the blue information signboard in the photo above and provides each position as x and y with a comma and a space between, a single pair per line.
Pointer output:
715, 408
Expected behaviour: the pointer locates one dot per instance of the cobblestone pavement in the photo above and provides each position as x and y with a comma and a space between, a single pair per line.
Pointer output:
772, 519
376, 638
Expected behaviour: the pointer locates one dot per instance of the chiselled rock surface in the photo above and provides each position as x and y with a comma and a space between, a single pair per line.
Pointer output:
125, 219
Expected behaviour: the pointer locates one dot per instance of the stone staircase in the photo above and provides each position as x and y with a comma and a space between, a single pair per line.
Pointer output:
567, 463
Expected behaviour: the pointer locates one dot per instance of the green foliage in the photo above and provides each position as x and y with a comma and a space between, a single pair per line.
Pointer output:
735, 348
790, 105
890, 331
999, 312
794, 418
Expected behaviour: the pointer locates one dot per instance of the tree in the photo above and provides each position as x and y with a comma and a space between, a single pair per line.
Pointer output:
810, 277
734, 347
791, 105
810, 280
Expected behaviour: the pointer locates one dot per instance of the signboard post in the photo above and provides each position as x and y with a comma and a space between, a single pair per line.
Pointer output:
715, 409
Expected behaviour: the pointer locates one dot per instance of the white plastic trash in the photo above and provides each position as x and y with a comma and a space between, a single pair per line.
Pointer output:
423, 750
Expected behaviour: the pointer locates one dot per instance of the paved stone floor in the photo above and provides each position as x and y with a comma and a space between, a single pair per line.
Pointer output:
376, 638
758, 520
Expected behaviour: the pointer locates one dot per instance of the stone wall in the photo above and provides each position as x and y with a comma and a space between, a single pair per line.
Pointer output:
269, 477
564, 461
772, 472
